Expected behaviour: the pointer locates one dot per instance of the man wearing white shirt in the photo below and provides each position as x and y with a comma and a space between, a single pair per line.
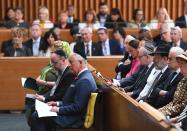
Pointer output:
167, 91
109, 46
71, 19
87, 47
159, 74
36, 41
176, 37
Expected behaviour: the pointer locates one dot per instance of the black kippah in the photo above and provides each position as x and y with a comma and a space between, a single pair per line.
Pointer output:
60, 52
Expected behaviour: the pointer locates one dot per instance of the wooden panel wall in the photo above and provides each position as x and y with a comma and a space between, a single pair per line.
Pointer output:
174, 7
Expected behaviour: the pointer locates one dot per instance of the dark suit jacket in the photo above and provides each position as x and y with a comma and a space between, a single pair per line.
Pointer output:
151, 98
157, 41
29, 44
171, 87
66, 79
183, 45
129, 81
181, 22
22, 51
120, 23
80, 49
136, 89
73, 107
124, 69
11, 24
6, 44
115, 48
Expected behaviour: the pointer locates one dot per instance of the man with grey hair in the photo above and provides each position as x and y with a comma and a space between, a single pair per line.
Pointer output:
71, 111
164, 37
87, 47
165, 93
36, 40
136, 81
176, 37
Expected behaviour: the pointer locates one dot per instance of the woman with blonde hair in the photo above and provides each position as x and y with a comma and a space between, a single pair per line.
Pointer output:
162, 17
43, 18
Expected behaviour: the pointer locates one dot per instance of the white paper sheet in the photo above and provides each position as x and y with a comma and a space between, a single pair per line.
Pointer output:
32, 96
43, 109
23, 81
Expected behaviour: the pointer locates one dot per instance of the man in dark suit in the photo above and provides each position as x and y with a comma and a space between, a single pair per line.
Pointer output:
176, 37
162, 95
58, 90
158, 75
72, 110
65, 78
142, 74
86, 47
136, 80
109, 46
103, 13
182, 21
164, 37
71, 18
34, 44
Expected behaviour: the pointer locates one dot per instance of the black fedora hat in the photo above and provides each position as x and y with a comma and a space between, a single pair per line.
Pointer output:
162, 49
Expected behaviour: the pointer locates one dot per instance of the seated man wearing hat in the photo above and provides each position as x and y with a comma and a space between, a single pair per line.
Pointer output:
180, 97
162, 95
158, 75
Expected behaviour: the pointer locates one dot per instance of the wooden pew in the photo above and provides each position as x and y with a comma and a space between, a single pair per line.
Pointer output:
121, 112
11, 70
106, 65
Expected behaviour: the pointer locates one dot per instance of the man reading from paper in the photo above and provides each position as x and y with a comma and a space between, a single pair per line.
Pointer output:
71, 111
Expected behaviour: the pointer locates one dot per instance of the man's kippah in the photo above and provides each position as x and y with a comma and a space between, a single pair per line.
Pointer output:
60, 52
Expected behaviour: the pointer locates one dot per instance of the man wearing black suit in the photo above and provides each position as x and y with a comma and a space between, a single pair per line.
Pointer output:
176, 37
103, 13
165, 93
71, 18
65, 78
58, 90
164, 37
158, 75
137, 80
72, 109
109, 47
182, 21
87, 47
34, 44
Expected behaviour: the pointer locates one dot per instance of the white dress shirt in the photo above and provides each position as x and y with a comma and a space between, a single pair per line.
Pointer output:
36, 46
106, 48
89, 45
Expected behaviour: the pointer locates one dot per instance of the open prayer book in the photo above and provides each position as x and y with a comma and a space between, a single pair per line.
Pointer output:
29, 83
43, 109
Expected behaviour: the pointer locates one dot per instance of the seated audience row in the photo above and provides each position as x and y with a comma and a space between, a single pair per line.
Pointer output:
114, 19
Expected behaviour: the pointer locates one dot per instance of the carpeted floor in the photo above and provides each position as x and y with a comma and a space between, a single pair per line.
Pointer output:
13, 122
